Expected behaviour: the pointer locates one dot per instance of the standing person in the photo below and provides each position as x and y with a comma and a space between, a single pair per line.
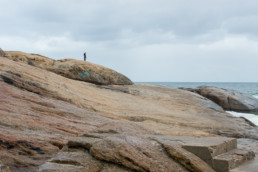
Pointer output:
85, 56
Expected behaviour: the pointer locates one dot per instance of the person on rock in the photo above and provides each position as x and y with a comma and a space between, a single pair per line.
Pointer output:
85, 56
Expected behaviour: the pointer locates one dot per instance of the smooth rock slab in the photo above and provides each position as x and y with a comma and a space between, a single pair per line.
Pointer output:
187, 159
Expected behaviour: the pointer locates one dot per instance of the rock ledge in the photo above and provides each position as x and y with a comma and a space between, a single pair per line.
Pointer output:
70, 68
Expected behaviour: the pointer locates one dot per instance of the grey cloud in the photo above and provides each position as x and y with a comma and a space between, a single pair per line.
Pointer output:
106, 19
164, 35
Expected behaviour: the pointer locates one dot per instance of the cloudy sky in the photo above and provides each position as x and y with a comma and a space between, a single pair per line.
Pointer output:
147, 40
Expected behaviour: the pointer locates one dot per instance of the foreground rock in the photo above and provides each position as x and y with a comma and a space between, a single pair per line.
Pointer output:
73, 69
52, 123
228, 99
152, 153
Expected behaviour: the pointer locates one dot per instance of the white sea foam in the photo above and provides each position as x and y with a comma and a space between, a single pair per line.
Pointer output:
256, 96
251, 117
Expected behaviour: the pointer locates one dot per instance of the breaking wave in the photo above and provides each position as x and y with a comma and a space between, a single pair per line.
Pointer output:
251, 117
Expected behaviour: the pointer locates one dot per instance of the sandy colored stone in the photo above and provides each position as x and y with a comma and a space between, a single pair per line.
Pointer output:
34, 128
167, 110
78, 159
187, 159
73, 69
232, 159
134, 153
41, 111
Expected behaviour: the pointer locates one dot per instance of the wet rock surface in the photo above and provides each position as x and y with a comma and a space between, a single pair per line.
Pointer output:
52, 123
228, 99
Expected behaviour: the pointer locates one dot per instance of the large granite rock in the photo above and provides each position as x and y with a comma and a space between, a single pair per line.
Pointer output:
228, 99
73, 69
69, 125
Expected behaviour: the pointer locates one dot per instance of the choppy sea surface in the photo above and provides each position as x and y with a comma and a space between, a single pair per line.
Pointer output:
248, 88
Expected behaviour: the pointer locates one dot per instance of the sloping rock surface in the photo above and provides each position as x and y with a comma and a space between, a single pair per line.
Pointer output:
228, 99
59, 124
169, 111
154, 153
73, 69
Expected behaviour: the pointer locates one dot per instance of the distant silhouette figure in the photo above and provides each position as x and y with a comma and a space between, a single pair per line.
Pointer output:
85, 56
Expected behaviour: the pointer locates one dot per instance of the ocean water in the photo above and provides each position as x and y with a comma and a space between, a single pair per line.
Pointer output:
248, 88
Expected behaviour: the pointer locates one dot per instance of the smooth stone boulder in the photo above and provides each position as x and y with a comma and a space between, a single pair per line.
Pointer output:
73, 69
228, 99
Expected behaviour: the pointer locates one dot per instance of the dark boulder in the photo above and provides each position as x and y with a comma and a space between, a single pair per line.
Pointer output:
228, 99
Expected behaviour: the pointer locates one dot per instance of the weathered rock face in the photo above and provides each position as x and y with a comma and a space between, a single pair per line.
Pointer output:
61, 124
34, 128
73, 69
2, 53
134, 153
169, 111
86, 71
229, 99
123, 152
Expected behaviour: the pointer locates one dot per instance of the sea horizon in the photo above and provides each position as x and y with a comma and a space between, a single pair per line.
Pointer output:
250, 88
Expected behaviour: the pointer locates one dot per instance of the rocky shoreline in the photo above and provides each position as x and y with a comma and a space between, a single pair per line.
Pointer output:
55, 121
228, 99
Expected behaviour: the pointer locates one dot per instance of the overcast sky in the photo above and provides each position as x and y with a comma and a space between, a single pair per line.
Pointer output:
147, 40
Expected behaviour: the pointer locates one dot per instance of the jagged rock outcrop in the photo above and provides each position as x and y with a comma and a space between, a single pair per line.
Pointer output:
52, 123
228, 99
73, 69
